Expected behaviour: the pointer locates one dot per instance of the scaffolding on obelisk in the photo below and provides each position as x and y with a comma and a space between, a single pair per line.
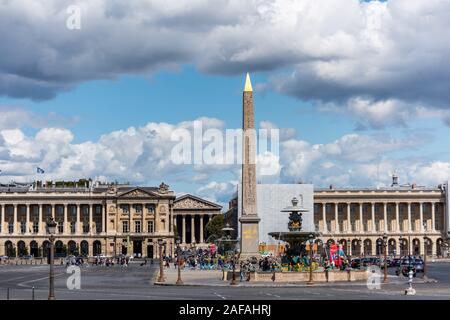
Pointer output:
249, 216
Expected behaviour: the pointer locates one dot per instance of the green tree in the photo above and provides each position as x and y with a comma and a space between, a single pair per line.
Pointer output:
214, 228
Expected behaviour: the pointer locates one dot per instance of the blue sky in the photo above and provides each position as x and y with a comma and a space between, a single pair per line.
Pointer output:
360, 95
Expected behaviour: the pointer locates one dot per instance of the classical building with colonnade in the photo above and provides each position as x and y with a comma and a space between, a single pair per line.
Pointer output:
99, 219
358, 219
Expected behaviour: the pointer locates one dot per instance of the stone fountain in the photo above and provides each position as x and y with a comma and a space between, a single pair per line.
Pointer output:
295, 238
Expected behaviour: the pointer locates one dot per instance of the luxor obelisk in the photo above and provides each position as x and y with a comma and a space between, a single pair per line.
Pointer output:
249, 216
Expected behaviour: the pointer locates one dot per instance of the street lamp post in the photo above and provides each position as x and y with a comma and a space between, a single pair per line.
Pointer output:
349, 245
161, 266
227, 230
425, 244
385, 238
51, 229
311, 243
179, 281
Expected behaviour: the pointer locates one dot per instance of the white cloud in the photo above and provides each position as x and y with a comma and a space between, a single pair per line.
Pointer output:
142, 155
13, 117
391, 53
356, 160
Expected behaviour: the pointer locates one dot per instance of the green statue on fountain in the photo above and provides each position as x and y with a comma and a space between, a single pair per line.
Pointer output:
296, 257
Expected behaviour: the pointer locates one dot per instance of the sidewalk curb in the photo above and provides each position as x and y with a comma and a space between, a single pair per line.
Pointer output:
280, 285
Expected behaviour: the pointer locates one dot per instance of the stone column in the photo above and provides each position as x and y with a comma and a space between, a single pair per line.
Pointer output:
373, 217
53, 211
397, 217
103, 230
15, 219
421, 216
385, 207
27, 219
2, 218
192, 228
183, 226
361, 218
409, 218
40, 219
324, 217
349, 218
201, 229
336, 217
79, 227
91, 208
433, 216
66, 220
143, 226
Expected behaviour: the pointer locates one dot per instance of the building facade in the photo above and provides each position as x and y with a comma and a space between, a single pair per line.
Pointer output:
358, 218
95, 220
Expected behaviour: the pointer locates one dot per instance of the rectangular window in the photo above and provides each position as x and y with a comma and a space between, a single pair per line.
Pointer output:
137, 226
73, 227
138, 208
11, 227
35, 227
60, 227
23, 227
151, 226
125, 209
151, 208
125, 227
85, 227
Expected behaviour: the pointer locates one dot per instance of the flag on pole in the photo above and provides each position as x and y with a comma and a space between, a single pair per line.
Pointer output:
39, 170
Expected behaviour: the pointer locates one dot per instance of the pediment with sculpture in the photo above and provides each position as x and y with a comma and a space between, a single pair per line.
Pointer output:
191, 202
137, 193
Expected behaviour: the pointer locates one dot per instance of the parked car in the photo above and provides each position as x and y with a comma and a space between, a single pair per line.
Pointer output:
395, 262
28, 257
407, 264
355, 263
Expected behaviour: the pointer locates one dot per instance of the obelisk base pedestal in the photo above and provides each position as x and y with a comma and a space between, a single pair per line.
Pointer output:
249, 238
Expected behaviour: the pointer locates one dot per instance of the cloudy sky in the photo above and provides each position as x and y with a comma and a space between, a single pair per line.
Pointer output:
359, 89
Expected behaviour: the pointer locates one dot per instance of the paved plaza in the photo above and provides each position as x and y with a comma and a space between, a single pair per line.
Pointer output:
137, 283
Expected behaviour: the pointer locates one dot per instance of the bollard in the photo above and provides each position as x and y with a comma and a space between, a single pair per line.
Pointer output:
7, 294
32, 293
410, 291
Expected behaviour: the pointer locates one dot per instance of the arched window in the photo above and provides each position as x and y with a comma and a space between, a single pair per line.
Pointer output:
21, 249
59, 249
34, 249
392, 245
84, 248
97, 248
367, 247
45, 248
9, 249
72, 247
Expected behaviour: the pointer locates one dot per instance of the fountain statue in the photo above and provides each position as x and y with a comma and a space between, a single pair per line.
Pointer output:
295, 238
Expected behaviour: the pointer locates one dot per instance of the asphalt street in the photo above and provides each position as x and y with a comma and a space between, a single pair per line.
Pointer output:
136, 283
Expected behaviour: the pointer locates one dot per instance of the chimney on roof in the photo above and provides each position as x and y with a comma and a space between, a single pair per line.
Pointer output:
331, 187
394, 180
